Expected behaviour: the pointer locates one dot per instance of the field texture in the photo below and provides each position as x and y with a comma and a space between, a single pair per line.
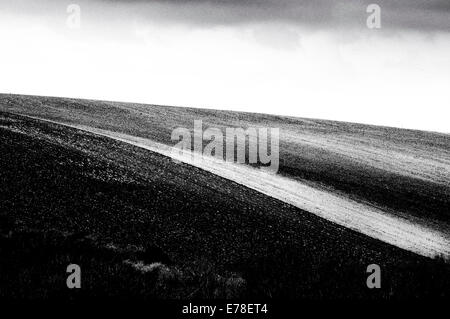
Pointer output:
146, 226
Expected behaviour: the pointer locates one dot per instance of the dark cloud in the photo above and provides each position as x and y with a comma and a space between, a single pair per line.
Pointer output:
426, 15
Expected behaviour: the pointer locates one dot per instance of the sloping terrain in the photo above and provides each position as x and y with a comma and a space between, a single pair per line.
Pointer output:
70, 196
364, 218
404, 172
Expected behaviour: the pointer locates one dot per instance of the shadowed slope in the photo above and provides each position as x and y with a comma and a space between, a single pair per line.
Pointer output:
404, 172
54, 177
366, 219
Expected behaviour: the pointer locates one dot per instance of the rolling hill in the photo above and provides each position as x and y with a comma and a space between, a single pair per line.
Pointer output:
127, 207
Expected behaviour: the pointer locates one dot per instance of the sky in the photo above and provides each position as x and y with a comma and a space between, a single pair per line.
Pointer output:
306, 58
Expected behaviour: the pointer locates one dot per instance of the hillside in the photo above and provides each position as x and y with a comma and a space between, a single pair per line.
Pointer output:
122, 205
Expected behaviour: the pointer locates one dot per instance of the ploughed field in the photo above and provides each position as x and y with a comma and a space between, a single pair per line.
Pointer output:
141, 225
406, 172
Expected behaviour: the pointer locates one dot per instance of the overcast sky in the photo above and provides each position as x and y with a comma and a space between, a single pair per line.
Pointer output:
309, 58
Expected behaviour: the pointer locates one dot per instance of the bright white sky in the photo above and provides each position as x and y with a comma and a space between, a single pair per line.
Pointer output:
367, 76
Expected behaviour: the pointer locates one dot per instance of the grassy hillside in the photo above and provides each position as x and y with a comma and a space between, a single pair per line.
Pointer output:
404, 172
143, 226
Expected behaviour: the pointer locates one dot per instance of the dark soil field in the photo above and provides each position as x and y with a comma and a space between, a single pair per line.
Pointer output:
114, 209
406, 172
143, 227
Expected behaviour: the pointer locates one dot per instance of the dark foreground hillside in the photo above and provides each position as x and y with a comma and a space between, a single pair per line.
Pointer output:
142, 226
